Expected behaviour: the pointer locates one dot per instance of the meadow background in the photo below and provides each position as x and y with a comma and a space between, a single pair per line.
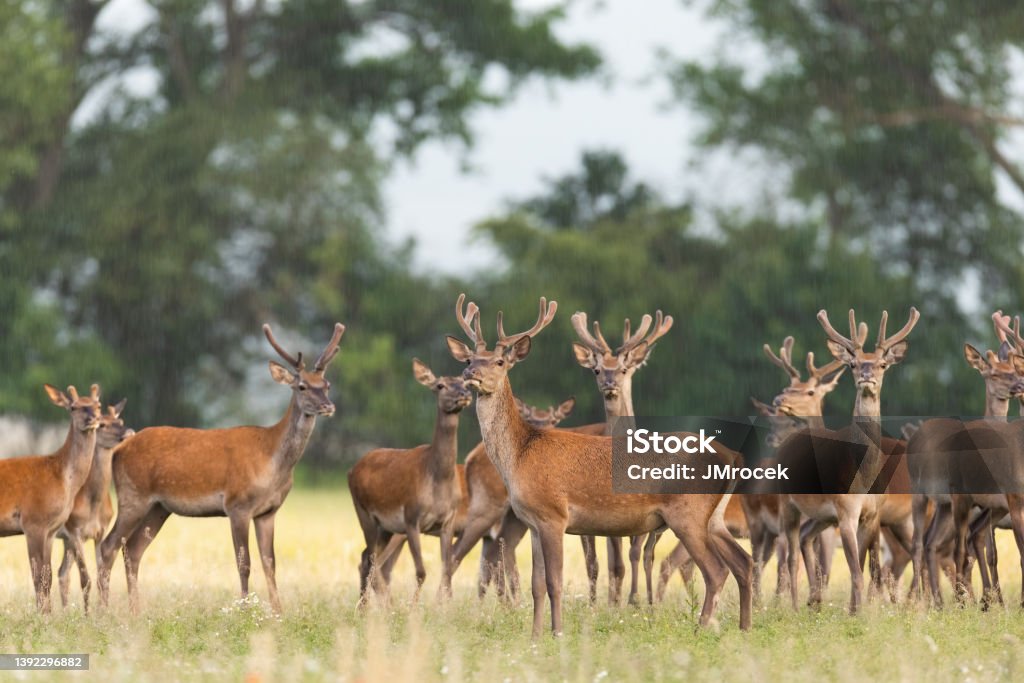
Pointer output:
194, 627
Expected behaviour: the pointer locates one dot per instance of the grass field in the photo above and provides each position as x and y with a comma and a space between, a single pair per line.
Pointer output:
193, 626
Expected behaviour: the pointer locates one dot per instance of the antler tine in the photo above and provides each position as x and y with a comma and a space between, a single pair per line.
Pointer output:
782, 360
915, 315
631, 340
881, 329
600, 337
296, 363
817, 373
1003, 329
832, 334
544, 318
466, 320
579, 323
331, 350
94, 392
662, 324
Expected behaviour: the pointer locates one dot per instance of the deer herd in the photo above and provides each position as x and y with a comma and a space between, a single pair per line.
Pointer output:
527, 475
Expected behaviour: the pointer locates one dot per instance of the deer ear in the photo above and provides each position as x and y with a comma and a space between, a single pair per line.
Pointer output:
565, 407
832, 378
519, 350
584, 356
638, 354
119, 408
895, 353
58, 397
458, 349
1018, 363
422, 373
840, 352
281, 374
975, 359
762, 408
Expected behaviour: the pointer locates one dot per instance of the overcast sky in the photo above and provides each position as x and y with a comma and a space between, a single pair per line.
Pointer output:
542, 132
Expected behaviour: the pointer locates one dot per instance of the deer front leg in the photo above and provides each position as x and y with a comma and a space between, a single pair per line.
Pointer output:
551, 541
1015, 503
677, 559
40, 544
616, 569
64, 572
790, 521
240, 538
512, 531
635, 553
73, 545
265, 544
447, 533
919, 513
589, 544
848, 534
538, 583
652, 540
412, 535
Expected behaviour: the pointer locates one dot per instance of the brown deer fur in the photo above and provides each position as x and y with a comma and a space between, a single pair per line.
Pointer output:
409, 491
560, 482
37, 493
93, 508
242, 473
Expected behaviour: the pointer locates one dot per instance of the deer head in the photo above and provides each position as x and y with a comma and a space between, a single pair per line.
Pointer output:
868, 368
309, 387
614, 369
112, 429
546, 419
488, 369
452, 393
803, 398
85, 410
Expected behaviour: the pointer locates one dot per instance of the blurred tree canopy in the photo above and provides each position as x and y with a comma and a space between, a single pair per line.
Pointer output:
163, 192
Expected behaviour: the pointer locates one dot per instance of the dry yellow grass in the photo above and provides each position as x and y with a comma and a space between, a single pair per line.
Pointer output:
194, 627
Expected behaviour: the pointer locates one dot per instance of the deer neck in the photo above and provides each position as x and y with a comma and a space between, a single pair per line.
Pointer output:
997, 407
867, 431
100, 473
444, 447
621, 406
503, 429
294, 431
76, 457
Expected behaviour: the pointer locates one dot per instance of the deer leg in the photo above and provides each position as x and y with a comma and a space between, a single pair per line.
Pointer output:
616, 569
589, 544
512, 532
1015, 503
939, 533
447, 533
676, 559
779, 545
635, 552
919, 513
868, 542
961, 512
78, 552
388, 558
136, 546
40, 544
809, 531
652, 540
240, 522
899, 537
64, 572
489, 571
992, 557
790, 521
552, 540
826, 547
412, 534
739, 563
264, 525
977, 536
476, 529
848, 534
538, 583
694, 534
129, 516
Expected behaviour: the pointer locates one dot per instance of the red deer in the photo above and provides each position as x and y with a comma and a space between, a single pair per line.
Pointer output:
37, 493
242, 473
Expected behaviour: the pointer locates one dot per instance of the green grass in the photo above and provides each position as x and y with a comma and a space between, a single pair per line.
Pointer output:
194, 627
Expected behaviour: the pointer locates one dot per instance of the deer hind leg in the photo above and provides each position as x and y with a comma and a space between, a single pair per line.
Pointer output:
616, 569
809, 531
939, 533
961, 513
412, 534
264, 525
825, 545
73, 544
40, 544
1015, 503
129, 516
388, 558
136, 546
635, 553
677, 559
919, 513
790, 521
476, 529
692, 530
589, 544
899, 536
980, 532
737, 560
652, 540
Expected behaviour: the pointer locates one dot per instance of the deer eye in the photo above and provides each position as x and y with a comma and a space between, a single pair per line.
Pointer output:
810, 392
596, 371
302, 387
501, 362
440, 386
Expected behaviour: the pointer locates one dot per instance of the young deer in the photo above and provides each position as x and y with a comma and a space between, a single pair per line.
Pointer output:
242, 473
93, 507
409, 491
37, 492
846, 510
561, 482
614, 372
